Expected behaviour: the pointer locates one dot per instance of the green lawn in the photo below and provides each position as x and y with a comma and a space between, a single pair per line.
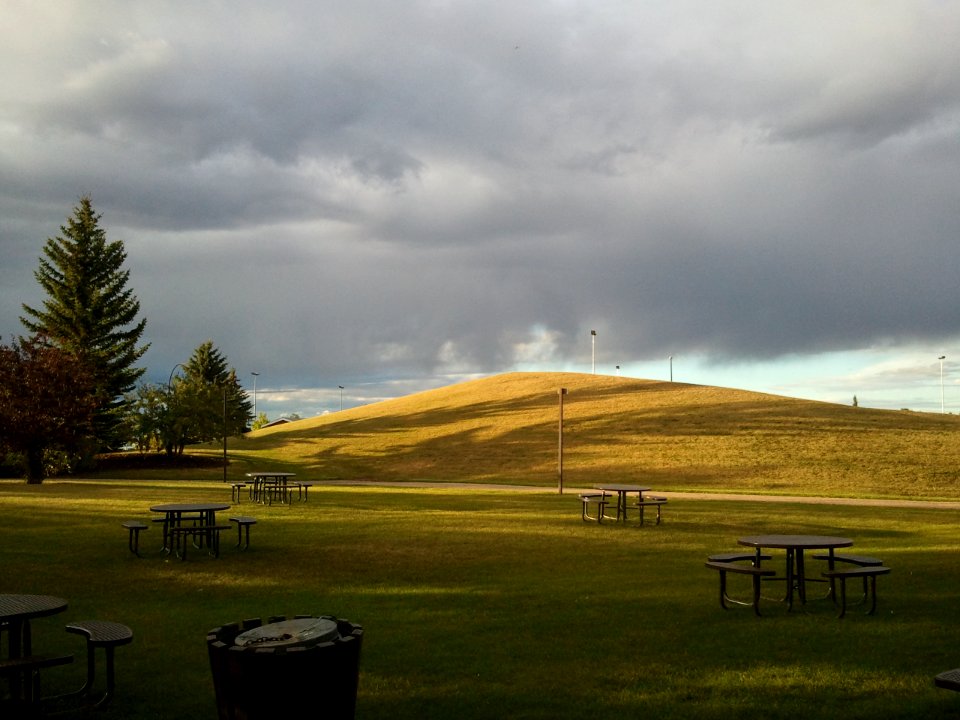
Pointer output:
491, 604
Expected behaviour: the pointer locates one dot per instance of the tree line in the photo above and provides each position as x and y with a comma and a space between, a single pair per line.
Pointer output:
69, 390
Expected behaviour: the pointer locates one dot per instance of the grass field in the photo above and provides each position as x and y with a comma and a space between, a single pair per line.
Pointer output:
492, 603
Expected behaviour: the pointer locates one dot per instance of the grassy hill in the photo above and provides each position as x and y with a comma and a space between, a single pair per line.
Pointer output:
672, 436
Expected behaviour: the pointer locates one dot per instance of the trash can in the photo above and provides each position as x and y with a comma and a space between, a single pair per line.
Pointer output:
303, 667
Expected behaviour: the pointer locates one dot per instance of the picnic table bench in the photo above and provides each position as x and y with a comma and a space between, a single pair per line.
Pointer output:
867, 573
754, 571
600, 500
134, 527
243, 523
211, 533
645, 502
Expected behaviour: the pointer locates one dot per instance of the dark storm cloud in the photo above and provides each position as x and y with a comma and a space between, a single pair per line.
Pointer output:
379, 188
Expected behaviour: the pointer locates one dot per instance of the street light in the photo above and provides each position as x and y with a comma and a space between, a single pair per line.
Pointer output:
561, 392
341, 397
255, 376
941, 359
671, 368
593, 351
170, 379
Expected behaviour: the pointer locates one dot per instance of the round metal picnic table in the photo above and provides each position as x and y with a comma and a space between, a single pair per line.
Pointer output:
173, 512
261, 492
622, 491
17, 610
795, 545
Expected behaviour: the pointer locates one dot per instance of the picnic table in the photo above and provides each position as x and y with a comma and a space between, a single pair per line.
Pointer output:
795, 545
203, 514
16, 612
622, 492
21, 667
266, 485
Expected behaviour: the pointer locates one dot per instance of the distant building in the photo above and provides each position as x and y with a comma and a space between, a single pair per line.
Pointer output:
278, 421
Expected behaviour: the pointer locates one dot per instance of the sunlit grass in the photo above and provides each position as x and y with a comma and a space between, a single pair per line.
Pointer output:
489, 604
672, 436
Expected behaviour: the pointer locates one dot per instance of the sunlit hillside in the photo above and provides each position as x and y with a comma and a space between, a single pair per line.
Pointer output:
672, 436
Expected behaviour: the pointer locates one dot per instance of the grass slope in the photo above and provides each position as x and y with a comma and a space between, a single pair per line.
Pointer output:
674, 436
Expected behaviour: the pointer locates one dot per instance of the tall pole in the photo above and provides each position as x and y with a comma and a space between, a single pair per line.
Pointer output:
255, 376
341, 397
170, 379
561, 393
224, 433
671, 368
593, 351
941, 359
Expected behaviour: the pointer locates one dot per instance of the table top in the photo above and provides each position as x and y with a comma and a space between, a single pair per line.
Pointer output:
616, 487
189, 507
270, 474
24, 607
806, 542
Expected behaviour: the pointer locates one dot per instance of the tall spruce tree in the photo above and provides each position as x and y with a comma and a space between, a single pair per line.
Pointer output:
207, 401
90, 312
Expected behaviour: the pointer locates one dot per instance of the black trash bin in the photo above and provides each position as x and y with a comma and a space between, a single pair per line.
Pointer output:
266, 670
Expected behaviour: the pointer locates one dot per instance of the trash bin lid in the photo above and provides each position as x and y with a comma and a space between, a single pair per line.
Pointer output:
301, 631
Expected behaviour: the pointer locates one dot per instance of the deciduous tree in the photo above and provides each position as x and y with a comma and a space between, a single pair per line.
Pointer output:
47, 402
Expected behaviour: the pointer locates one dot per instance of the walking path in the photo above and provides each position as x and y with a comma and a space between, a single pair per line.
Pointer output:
949, 505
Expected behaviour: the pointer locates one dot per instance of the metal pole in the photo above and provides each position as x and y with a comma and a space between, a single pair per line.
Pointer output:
671, 368
224, 433
941, 359
561, 393
593, 351
341, 397
255, 376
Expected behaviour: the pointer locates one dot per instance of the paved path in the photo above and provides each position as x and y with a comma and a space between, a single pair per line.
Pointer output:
678, 495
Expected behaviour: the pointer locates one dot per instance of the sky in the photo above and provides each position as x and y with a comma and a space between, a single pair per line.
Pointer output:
394, 196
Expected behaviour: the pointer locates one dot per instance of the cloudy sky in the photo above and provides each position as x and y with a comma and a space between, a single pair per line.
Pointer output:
392, 196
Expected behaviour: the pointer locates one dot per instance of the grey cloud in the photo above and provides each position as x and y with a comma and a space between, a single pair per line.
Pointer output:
372, 188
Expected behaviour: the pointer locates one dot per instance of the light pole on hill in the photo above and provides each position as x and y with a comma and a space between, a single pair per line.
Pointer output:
341, 397
593, 351
561, 393
941, 359
255, 376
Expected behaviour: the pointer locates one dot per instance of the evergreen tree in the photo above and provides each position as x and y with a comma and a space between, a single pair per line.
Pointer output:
90, 312
207, 401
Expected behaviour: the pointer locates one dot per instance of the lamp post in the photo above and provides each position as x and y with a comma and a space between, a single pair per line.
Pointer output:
170, 379
224, 433
671, 368
560, 393
593, 351
255, 376
941, 359
341, 397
